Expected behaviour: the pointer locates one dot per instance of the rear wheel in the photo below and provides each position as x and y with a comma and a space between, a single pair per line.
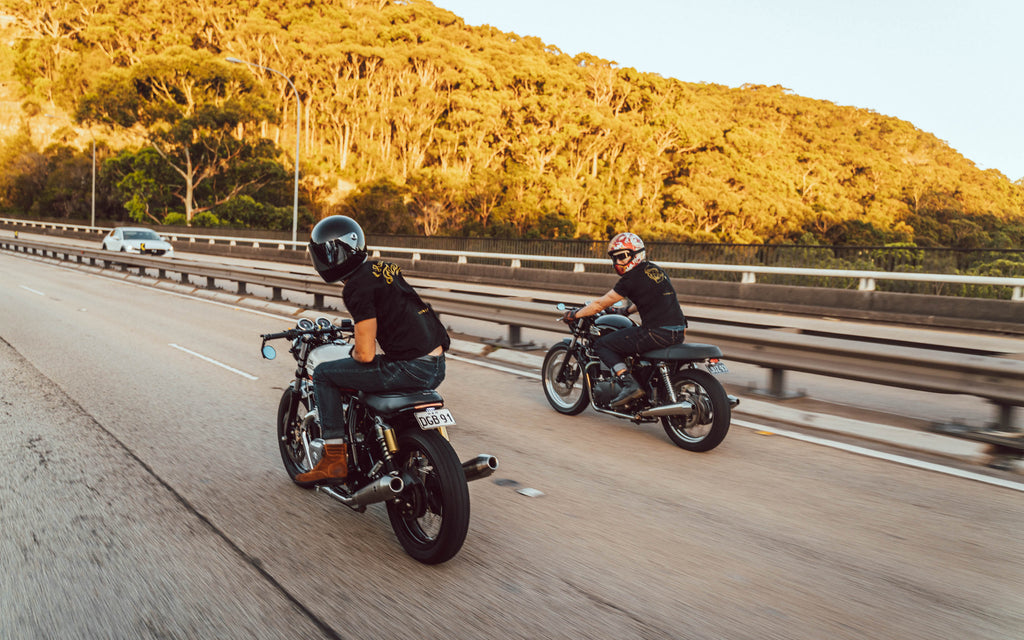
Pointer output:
289, 436
431, 516
705, 428
567, 394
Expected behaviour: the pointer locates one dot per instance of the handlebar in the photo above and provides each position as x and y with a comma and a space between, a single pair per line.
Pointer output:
291, 334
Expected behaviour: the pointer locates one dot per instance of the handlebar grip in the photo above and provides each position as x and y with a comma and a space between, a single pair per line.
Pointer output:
275, 336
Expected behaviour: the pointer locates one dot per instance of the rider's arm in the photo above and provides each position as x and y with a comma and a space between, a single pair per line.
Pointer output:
600, 304
365, 347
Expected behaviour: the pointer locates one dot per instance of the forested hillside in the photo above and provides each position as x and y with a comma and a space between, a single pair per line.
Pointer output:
419, 123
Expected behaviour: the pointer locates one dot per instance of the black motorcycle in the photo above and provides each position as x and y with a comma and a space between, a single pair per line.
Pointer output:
690, 402
398, 447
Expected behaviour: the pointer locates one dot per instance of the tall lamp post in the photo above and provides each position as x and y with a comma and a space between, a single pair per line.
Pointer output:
298, 115
92, 221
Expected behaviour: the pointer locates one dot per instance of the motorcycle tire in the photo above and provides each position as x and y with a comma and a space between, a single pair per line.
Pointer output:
706, 427
567, 398
289, 438
431, 516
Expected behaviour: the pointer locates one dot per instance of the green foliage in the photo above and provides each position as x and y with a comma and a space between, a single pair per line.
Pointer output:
1001, 268
205, 219
448, 129
380, 207
144, 182
22, 173
189, 107
245, 212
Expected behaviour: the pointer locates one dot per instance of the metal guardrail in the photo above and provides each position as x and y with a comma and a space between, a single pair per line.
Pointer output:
998, 380
749, 273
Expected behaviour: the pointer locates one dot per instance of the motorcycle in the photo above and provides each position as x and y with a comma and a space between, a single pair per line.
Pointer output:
690, 402
398, 447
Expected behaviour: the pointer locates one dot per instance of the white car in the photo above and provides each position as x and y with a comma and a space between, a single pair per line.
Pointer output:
137, 240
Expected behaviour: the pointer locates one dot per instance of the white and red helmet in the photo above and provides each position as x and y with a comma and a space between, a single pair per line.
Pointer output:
626, 251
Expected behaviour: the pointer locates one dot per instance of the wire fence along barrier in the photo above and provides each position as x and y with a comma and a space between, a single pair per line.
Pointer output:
587, 253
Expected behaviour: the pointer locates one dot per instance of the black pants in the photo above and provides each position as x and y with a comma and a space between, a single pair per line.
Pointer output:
380, 375
613, 348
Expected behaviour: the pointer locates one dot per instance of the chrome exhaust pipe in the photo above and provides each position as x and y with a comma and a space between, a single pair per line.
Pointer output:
678, 409
380, 490
479, 467
733, 401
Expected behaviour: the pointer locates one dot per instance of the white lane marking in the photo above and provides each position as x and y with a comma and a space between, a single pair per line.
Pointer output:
742, 423
889, 457
849, 448
218, 303
496, 367
212, 361
38, 293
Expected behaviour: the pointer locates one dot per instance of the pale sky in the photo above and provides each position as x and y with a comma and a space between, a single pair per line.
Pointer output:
953, 68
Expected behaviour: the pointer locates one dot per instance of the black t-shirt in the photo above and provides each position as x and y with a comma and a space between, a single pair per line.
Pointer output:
407, 328
649, 288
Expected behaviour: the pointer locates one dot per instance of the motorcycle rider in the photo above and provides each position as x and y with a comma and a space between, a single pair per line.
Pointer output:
651, 293
387, 311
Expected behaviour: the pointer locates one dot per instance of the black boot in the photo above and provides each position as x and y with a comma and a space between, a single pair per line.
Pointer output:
630, 390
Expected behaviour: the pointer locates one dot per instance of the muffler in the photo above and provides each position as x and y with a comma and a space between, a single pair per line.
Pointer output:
479, 467
380, 490
678, 409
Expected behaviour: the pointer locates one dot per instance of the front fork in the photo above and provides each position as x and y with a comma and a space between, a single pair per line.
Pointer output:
312, 449
560, 376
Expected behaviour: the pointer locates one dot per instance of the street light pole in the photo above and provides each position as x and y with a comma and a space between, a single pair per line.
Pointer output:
92, 222
298, 115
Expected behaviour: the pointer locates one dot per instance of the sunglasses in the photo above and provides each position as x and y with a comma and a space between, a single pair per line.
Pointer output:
621, 256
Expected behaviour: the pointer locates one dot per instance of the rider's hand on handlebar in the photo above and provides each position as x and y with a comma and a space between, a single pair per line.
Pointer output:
569, 316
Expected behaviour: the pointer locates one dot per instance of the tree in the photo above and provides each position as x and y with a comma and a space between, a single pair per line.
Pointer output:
193, 110
535, 141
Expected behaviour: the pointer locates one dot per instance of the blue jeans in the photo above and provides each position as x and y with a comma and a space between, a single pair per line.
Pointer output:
614, 347
380, 375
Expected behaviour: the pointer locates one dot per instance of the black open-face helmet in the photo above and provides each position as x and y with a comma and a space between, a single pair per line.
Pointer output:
337, 247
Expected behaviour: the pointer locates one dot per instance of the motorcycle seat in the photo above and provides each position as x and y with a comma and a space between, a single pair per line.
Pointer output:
688, 351
389, 402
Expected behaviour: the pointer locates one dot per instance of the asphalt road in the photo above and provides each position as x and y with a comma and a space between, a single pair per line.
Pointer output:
142, 495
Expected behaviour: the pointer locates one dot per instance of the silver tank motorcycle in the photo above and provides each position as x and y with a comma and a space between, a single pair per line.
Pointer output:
691, 404
398, 448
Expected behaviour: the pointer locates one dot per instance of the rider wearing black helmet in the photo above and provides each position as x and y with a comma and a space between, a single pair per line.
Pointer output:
651, 292
386, 311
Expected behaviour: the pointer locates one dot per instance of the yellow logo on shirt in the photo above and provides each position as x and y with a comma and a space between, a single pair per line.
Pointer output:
386, 270
654, 273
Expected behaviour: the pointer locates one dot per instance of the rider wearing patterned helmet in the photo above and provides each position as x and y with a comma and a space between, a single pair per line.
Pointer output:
630, 248
650, 292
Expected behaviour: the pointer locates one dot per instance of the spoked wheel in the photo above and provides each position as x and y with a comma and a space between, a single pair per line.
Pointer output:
431, 516
566, 394
289, 437
705, 428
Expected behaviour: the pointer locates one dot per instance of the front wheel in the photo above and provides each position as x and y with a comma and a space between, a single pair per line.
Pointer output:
431, 516
289, 435
705, 428
566, 393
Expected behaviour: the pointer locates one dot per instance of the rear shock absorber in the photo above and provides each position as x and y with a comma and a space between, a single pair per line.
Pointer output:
666, 380
386, 438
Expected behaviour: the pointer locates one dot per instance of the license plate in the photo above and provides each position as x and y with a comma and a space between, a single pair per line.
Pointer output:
434, 418
717, 367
